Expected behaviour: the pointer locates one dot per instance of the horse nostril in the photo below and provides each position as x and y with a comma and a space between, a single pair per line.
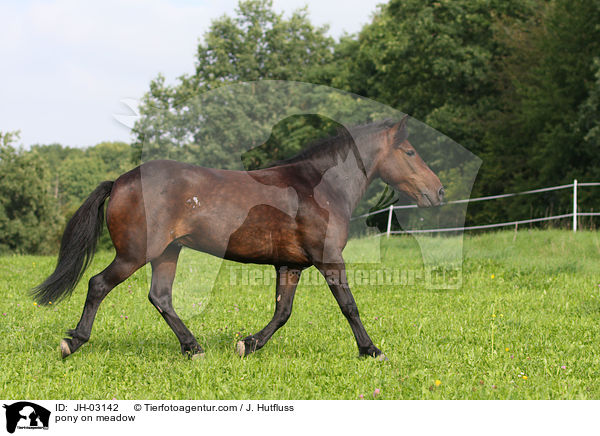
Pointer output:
441, 193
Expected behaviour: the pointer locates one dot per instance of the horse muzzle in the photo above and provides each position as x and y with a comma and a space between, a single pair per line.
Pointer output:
428, 198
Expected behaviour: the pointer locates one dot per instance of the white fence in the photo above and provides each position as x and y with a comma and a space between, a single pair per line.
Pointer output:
575, 214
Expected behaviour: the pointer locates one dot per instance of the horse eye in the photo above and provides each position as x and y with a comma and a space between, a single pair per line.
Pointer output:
410, 152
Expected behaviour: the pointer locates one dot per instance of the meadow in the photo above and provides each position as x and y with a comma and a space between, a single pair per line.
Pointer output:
524, 325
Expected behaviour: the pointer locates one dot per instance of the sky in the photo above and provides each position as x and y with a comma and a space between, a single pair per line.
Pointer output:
71, 69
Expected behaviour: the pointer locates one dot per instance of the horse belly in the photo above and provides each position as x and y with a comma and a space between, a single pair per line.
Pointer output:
267, 235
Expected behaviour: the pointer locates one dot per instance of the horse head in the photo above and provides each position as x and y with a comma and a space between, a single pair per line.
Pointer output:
400, 166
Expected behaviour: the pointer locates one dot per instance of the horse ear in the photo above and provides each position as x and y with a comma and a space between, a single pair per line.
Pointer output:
401, 134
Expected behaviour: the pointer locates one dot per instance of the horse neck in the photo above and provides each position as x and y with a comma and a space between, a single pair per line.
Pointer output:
346, 180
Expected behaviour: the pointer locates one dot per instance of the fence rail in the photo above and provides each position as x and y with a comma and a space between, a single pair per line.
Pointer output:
573, 214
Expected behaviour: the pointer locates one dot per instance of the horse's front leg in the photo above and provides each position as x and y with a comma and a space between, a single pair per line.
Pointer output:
335, 275
287, 281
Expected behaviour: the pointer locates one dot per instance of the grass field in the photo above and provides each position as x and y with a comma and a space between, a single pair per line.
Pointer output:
525, 324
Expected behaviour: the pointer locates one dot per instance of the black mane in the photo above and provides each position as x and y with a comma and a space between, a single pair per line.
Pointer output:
331, 147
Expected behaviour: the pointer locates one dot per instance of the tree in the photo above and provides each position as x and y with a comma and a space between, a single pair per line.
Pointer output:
433, 60
29, 221
257, 43
543, 133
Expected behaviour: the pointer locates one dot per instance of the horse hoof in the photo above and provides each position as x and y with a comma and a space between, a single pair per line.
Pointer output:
382, 358
65, 351
241, 348
197, 356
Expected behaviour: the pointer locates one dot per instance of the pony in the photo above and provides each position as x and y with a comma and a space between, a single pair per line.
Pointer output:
293, 214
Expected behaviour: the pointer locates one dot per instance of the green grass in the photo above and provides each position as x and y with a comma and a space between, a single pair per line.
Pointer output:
536, 295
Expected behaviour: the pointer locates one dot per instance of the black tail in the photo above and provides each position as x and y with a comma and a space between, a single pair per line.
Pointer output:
77, 248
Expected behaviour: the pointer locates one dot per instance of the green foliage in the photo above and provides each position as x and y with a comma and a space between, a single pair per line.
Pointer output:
542, 131
179, 122
29, 219
82, 170
587, 126
77, 172
432, 60
41, 189
260, 44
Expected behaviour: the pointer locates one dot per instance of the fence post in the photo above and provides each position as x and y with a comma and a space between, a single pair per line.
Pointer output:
389, 226
575, 205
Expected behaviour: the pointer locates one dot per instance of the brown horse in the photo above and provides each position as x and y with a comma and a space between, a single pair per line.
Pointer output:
292, 215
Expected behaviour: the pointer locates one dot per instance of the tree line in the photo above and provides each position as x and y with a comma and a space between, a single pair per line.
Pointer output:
515, 82
42, 187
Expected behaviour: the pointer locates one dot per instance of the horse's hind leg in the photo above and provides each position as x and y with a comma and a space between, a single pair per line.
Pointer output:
287, 281
163, 274
99, 286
